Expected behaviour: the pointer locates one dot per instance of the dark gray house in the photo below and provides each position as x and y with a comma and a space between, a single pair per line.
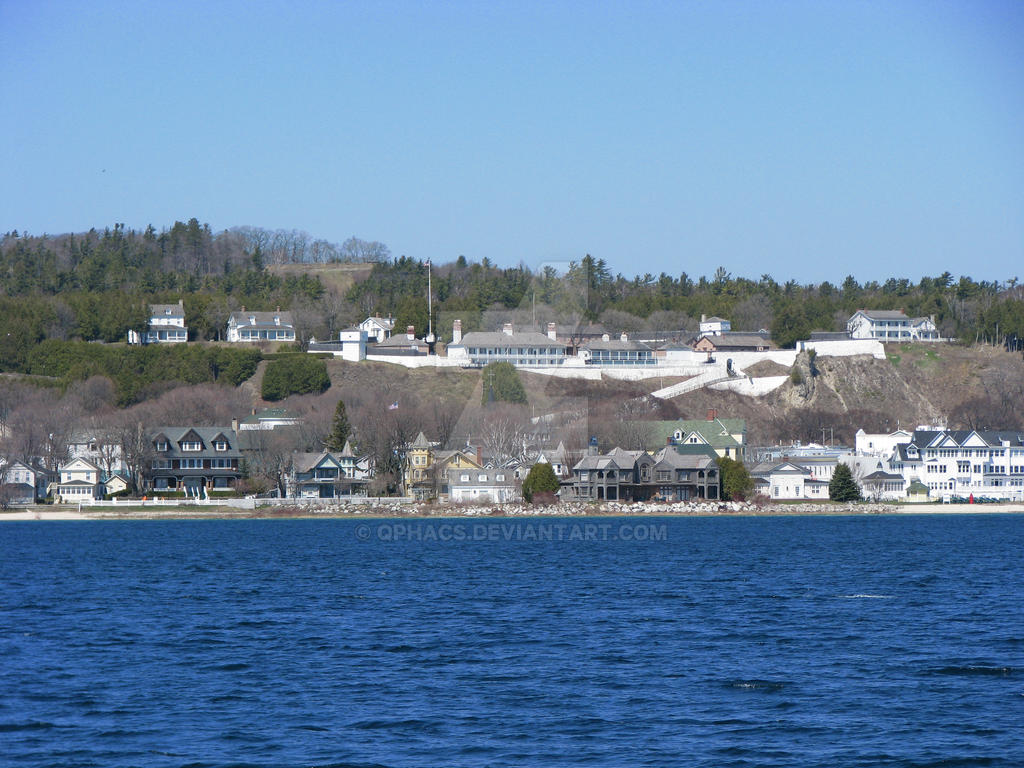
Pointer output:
197, 460
674, 473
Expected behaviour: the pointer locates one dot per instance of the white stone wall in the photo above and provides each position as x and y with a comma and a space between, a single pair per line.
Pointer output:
845, 348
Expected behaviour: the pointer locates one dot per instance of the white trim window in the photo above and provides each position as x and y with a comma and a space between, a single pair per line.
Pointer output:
191, 445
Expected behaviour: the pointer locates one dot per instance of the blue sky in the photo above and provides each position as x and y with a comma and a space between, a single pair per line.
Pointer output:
807, 140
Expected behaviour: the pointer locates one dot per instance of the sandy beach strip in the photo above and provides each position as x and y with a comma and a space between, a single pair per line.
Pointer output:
423, 511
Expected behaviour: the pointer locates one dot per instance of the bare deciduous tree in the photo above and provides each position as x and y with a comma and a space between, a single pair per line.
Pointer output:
503, 429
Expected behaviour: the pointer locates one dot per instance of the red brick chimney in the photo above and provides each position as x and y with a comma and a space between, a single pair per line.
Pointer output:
712, 414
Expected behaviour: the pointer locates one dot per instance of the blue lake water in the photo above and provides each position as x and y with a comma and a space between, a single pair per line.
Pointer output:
831, 641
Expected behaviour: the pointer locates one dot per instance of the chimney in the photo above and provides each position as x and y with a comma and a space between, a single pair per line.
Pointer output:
410, 332
623, 338
507, 329
457, 332
479, 457
243, 307
234, 425
703, 317
181, 303
605, 337
712, 414
551, 331
592, 447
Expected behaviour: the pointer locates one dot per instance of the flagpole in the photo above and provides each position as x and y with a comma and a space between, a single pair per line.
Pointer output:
430, 313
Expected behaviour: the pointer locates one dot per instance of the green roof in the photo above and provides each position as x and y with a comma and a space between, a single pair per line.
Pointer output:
718, 433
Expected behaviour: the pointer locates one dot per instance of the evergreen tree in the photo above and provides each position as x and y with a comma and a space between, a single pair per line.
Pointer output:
737, 483
843, 487
340, 429
504, 380
540, 479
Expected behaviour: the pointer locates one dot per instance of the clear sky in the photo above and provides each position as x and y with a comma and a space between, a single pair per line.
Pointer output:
807, 140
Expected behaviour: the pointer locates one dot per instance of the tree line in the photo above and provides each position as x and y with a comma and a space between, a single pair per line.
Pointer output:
95, 286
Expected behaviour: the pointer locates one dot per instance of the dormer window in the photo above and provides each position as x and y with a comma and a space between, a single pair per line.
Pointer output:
161, 445
191, 445
220, 445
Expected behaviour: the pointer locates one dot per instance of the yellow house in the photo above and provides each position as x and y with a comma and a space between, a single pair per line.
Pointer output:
426, 470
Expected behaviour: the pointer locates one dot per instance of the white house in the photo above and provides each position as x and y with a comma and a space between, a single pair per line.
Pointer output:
102, 451
520, 349
80, 479
890, 325
788, 480
166, 325
714, 326
963, 463
377, 328
879, 444
266, 419
353, 344
251, 326
493, 486
21, 482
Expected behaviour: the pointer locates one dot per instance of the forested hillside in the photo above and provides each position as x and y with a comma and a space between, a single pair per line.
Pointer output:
95, 286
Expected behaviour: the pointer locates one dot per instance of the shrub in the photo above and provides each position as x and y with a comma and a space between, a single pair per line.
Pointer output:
294, 375
541, 479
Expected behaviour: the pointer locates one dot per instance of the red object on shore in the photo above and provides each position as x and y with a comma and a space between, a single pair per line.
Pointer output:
970, 499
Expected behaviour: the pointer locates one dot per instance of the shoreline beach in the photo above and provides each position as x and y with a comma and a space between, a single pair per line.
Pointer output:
423, 511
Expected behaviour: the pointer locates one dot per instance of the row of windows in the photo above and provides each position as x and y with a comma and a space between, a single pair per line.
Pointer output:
510, 351
519, 361
168, 483
621, 354
966, 453
193, 464
284, 335
192, 445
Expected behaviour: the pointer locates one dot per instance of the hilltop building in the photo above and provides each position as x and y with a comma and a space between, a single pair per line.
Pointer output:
889, 325
166, 325
251, 326
507, 346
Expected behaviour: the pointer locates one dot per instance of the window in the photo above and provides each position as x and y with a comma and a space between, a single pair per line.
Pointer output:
220, 445
464, 478
500, 478
161, 445
191, 445
481, 478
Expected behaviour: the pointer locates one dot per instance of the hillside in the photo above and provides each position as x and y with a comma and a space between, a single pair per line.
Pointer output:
958, 386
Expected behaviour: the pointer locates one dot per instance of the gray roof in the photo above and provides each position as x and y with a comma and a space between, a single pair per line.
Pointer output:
166, 310
883, 314
455, 478
502, 339
261, 319
401, 340
727, 340
669, 455
614, 344
206, 435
